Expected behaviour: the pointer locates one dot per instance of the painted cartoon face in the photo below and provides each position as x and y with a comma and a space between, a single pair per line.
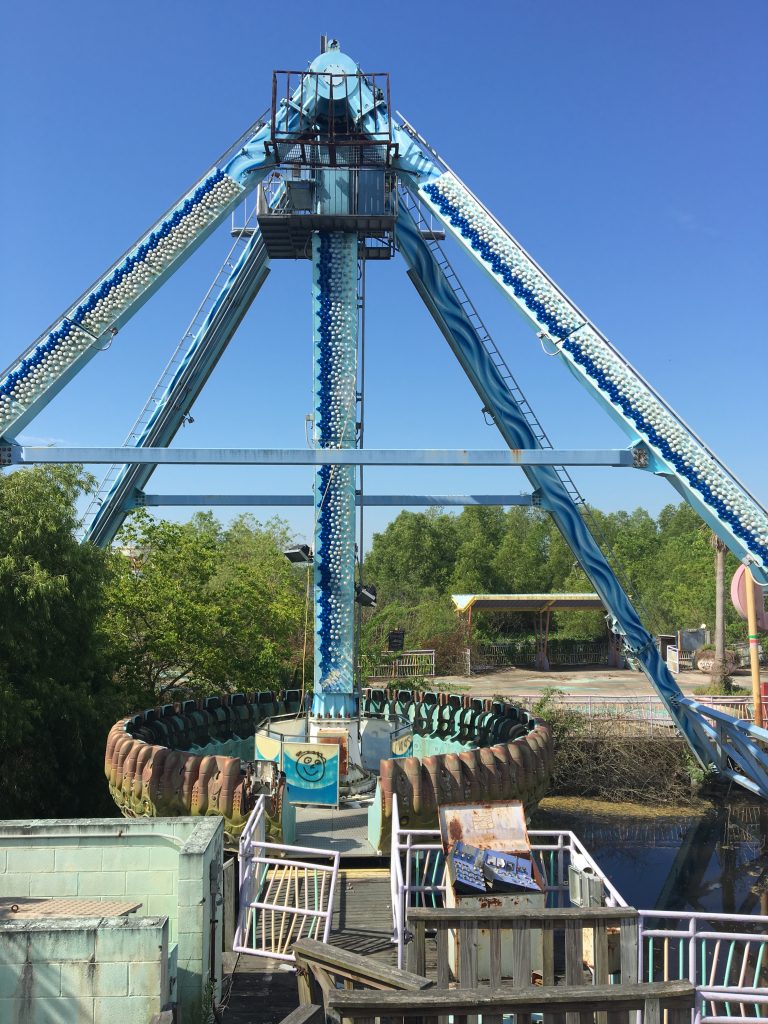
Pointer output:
310, 765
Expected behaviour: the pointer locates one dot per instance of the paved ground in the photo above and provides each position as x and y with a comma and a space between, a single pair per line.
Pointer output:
513, 682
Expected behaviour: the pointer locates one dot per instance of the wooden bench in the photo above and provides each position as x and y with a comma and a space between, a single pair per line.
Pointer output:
320, 968
558, 1003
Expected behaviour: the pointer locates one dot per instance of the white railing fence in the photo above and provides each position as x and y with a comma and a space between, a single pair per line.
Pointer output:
724, 955
283, 896
417, 871
503, 654
645, 712
408, 665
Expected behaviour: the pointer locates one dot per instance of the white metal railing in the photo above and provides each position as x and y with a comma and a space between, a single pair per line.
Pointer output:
673, 659
724, 955
417, 871
559, 652
646, 710
283, 897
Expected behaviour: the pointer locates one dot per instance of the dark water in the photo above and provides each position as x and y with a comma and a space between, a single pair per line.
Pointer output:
717, 862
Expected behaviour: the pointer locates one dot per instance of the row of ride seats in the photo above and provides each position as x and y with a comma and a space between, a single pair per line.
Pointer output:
516, 770
195, 723
478, 721
156, 764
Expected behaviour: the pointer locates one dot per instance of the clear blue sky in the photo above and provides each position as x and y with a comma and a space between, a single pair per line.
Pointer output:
623, 143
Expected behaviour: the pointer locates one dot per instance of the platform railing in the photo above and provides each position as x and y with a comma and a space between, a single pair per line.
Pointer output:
283, 896
417, 871
724, 955
409, 664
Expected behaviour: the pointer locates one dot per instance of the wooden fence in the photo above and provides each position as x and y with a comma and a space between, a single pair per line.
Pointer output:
360, 989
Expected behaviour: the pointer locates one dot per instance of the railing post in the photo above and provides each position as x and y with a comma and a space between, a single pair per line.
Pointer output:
699, 1002
640, 947
417, 952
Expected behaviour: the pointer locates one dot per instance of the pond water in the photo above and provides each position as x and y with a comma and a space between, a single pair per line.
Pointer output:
716, 861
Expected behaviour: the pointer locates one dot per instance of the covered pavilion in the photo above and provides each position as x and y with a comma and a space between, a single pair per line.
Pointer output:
542, 605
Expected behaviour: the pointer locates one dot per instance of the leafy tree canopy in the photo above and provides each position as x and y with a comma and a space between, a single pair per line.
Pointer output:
55, 694
420, 558
194, 607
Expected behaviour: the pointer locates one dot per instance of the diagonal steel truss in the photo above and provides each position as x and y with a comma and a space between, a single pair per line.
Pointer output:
737, 749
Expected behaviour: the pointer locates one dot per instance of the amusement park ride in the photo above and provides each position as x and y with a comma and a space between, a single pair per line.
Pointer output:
341, 182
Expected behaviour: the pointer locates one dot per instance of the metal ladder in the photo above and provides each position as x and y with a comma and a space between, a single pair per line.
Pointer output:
134, 438
426, 228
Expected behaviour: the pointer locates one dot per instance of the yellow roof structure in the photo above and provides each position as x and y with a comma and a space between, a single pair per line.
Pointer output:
525, 602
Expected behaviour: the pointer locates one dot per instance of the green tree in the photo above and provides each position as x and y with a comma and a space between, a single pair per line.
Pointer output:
414, 556
193, 607
56, 701
479, 531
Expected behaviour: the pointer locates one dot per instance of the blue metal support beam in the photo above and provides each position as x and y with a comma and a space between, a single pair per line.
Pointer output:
443, 303
707, 484
29, 455
206, 348
90, 323
306, 500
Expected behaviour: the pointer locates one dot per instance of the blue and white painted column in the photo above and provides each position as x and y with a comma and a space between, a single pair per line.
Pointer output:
334, 277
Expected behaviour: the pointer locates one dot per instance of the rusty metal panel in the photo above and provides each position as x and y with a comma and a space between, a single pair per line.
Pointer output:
489, 826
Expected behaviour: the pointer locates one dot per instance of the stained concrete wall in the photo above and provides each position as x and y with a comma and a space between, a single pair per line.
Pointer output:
88, 970
169, 865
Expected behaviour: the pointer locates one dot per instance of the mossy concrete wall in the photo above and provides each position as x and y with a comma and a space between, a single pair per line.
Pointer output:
83, 970
172, 866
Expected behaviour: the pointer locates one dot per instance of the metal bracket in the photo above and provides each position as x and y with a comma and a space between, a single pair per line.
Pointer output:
640, 458
9, 454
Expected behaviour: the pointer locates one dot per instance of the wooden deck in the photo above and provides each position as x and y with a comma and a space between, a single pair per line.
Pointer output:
264, 991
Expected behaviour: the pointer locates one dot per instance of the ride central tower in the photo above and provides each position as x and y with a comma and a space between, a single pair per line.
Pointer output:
334, 337
332, 200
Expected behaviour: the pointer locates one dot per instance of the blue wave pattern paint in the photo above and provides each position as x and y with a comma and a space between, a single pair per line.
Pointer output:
598, 362
84, 324
515, 430
334, 259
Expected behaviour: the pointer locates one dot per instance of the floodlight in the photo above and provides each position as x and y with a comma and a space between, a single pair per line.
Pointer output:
365, 594
299, 554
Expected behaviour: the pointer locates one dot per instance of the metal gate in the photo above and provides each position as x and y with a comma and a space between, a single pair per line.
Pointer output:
286, 892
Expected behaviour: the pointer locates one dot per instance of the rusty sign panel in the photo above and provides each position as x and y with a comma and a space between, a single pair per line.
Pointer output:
488, 826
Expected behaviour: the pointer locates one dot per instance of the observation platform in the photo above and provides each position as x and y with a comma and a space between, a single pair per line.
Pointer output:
362, 923
291, 209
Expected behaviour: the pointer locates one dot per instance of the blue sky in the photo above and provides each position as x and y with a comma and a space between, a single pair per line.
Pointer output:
624, 144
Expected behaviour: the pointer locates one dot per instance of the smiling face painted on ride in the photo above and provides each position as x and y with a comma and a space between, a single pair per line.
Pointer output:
310, 765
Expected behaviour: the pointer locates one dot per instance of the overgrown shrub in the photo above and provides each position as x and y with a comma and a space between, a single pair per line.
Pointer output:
605, 759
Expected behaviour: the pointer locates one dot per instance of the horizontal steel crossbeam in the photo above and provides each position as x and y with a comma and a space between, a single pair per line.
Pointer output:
368, 500
24, 454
